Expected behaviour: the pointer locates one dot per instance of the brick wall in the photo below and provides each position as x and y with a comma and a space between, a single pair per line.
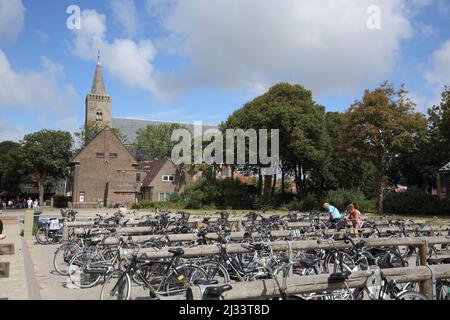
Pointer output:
104, 170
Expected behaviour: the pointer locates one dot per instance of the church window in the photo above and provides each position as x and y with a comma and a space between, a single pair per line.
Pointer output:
99, 155
99, 116
113, 155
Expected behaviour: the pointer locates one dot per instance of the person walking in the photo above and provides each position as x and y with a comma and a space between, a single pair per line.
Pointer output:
29, 203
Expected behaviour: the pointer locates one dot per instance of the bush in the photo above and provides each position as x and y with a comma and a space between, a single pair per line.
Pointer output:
60, 201
220, 194
341, 198
144, 204
415, 202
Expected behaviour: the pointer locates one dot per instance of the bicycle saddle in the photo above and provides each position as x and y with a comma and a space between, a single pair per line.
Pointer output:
339, 277
203, 282
439, 261
176, 251
217, 291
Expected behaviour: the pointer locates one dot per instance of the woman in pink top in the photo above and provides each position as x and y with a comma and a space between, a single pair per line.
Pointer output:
355, 216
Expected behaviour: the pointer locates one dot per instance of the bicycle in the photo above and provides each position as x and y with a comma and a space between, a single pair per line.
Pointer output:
161, 278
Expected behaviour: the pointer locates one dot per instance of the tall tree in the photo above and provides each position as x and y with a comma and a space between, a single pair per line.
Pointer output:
382, 126
46, 154
343, 170
154, 141
304, 142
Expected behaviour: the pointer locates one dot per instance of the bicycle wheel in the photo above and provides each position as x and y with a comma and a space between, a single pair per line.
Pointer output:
62, 257
338, 261
181, 278
58, 260
78, 272
411, 295
41, 235
215, 271
117, 286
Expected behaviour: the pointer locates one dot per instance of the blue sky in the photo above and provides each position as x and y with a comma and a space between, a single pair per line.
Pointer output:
186, 60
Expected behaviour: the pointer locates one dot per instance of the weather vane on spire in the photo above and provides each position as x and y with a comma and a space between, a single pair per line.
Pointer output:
98, 57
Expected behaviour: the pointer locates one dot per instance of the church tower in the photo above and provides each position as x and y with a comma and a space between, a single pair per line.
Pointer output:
98, 102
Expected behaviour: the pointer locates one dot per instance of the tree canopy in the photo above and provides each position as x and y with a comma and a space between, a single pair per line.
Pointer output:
382, 126
45, 154
154, 141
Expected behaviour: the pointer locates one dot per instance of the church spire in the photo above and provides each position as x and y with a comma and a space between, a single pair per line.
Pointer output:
98, 86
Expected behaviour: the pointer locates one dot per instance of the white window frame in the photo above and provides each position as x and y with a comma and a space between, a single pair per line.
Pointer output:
168, 178
163, 196
82, 196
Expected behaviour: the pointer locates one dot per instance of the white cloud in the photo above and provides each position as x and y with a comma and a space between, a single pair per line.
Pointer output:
34, 91
25, 89
125, 59
11, 132
158, 8
125, 13
12, 18
323, 44
71, 90
438, 75
53, 68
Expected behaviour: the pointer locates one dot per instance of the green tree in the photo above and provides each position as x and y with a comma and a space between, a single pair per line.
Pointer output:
154, 141
89, 132
382, 126
9, 173
46, 154
343, 170
304, 142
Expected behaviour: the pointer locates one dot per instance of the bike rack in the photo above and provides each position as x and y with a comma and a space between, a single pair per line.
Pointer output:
433, 281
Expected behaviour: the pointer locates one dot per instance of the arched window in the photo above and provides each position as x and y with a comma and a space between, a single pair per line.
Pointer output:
99, 116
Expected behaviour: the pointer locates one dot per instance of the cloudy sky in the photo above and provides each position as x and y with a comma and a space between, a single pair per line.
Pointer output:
186, 60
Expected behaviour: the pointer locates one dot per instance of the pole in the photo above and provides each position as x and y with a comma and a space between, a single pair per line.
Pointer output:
426, 286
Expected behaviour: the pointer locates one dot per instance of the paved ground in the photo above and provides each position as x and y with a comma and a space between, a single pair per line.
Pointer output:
51, 285
15, 287
31, 275
31, 269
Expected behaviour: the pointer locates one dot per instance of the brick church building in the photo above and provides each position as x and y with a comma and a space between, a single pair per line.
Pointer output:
105, 173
